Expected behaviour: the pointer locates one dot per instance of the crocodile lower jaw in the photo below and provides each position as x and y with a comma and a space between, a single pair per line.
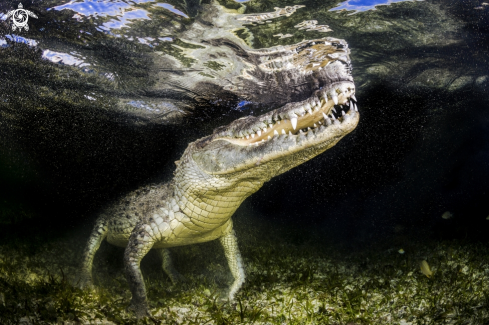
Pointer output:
332, 106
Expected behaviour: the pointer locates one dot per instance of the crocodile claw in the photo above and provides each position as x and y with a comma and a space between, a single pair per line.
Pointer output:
140, 309
84, 281
177, 278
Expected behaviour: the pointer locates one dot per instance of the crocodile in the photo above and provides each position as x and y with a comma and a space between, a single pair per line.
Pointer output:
307, 93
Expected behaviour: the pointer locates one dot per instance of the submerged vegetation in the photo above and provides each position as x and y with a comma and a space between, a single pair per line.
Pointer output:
287, 283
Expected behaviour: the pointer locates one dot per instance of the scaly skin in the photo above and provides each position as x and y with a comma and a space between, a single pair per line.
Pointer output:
212, 179
170, 215
217, 173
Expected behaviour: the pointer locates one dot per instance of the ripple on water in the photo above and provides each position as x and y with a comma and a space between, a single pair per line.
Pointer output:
121, 12
63, 58
364, 5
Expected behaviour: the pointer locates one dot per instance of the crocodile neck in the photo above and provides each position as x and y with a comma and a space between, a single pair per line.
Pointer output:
209, 200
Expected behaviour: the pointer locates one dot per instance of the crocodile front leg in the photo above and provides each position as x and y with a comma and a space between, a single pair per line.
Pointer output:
235, 262
98, 234
141, 241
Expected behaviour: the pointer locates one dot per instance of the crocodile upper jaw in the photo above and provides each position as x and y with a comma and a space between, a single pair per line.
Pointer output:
303, 129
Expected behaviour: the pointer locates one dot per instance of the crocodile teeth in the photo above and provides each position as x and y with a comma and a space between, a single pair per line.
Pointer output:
253, 135
334, 110
293, 120
325, 116
290, 133
283, 131
315, 125
247, 137
269, 137
275, 132
335, 99
353, 97
258, 132
278, 122
264, 129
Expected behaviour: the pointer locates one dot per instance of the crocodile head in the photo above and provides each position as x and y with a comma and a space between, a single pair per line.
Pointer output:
237, 159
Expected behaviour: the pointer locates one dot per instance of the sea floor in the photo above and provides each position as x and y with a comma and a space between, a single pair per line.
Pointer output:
292, 278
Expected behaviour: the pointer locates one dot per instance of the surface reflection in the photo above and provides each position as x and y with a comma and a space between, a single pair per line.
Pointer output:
123, 11
172, 9
18, 39
64, 58
364, 5
99, 8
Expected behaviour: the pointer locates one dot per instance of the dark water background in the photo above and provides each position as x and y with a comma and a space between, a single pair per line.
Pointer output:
421, 147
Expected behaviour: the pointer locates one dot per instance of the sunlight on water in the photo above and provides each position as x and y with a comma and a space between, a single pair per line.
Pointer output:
172, 9
125, 19
364, 5
99, 8
123, 13
63, 58
19, 39
122, 9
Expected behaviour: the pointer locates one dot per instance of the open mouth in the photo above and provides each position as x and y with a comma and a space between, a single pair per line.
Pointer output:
331, 106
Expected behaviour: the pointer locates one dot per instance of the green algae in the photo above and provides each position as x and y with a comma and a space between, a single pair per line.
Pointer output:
312, 283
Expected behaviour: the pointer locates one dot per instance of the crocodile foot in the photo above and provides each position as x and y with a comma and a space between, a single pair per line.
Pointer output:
140, 309
224, 297
177, 278
84, 281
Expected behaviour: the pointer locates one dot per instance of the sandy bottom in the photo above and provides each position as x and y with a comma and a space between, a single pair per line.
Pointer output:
291, 279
